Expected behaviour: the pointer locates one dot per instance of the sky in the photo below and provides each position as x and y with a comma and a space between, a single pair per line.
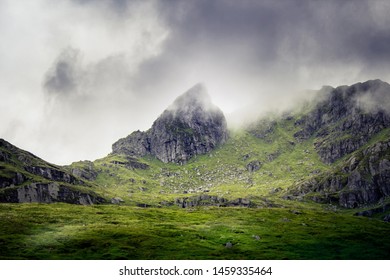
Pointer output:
77, 75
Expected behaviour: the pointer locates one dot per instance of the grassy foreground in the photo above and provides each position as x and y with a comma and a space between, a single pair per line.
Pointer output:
61, 231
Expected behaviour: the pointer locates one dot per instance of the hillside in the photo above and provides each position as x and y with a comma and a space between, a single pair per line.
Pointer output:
27, 178
331, 151
290, 185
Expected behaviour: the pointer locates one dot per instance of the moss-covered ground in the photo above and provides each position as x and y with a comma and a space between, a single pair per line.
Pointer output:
62, 231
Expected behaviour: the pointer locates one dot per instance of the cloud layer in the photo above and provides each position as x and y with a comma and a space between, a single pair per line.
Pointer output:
77, 75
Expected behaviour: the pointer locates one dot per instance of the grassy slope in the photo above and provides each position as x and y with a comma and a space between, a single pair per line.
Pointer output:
61, 231
223, 172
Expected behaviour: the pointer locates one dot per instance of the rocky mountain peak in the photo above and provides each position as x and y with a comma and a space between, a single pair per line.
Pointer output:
191, 126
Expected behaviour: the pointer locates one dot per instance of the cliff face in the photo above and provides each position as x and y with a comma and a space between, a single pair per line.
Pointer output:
347, 118
345, 124
191, 126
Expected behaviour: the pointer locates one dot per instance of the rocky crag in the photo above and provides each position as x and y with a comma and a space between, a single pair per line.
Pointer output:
191, 126
346, 118
27, 178
345, 125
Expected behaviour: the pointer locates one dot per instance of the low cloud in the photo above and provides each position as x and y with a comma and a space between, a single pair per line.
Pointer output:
63, 76
375, 99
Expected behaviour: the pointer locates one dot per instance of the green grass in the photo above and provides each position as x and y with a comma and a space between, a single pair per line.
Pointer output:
60, 231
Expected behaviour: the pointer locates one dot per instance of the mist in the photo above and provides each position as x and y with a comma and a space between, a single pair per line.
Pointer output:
78, 75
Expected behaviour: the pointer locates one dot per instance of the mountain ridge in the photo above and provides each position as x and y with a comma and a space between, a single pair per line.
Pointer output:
334, 151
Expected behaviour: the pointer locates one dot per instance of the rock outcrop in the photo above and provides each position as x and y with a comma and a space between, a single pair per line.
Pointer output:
343, 123
211, 200
346, 118
363, 179
27, 178
191, 126
48, 193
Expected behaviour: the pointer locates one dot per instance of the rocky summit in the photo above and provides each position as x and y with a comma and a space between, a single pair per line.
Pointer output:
191, 126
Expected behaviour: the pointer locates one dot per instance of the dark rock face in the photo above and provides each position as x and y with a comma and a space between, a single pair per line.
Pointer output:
191, 126
253, 166
87, 173
15, 178
132, 163
346, 118
117, 200
27, 178
363, 179
52, 174
136, 144
369, 181
211, 200
48, 193
342, 123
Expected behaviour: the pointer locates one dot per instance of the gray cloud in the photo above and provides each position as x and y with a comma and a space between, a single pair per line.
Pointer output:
275, 38
63, 76
117, 64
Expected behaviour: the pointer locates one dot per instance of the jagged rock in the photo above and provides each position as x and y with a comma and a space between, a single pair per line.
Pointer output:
87, 172
48, 193
5, 157
117, 200
136, 144
273, 156
365, 179
253, 166
209, 200
191, 126
52, 174
241, 202
24, 178
245, 157
131, 163
14, 178
229, 245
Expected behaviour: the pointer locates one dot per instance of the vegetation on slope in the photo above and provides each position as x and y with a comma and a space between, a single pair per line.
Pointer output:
63, 231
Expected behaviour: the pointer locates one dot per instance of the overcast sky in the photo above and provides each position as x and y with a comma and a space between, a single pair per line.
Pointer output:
77, 75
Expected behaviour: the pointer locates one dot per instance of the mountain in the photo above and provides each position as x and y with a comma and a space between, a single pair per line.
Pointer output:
333, 149
27, 178
191, 126
292, 185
